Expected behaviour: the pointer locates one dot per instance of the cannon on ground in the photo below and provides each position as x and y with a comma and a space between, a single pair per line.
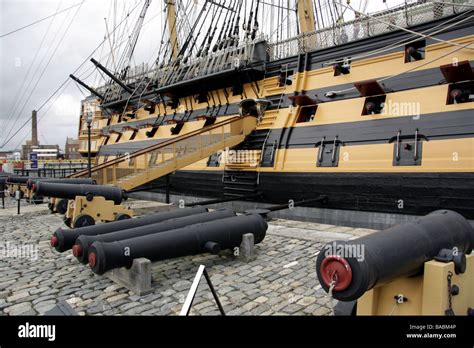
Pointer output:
85, 181
407, 269
87, 204
212, 237
58, 205
63, 239
17, 179
17, 183
81, 248
54, 204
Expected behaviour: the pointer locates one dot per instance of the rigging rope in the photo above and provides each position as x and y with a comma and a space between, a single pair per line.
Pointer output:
47, 64
40, 20
22, 90
66, 81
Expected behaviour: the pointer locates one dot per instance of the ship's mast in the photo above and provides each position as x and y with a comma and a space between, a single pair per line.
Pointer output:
171, 17
305, 11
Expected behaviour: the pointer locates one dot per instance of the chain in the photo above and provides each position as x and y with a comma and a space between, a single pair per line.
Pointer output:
332, 285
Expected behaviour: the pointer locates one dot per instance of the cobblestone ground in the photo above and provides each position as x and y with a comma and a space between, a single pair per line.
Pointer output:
280, 281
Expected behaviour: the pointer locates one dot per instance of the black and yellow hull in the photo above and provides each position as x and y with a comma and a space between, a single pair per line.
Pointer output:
415, 157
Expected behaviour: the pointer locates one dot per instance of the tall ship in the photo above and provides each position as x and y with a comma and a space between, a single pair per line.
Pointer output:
278, 101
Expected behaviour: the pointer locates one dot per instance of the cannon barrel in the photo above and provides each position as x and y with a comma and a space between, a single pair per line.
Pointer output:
81, 248
18, 179
204, 237
86, 181
70, 191
361, 264
64, 239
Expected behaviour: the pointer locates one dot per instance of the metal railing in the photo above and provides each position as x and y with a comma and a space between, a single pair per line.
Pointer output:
50, 172
152, 162
232, 57
402, 16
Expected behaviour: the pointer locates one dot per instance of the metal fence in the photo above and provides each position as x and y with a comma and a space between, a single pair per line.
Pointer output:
367, 26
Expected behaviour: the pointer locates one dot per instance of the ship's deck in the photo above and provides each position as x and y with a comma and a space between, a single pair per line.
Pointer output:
280, 281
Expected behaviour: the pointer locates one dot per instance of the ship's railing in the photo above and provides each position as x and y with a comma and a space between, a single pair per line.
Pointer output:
228, 58
224, 59
147, 164
364, 27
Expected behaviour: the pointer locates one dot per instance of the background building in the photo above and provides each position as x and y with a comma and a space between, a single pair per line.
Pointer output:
71, 149
45, 152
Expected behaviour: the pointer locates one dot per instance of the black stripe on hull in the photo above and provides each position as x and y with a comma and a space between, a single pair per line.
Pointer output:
410, 80
403, 193
441, 125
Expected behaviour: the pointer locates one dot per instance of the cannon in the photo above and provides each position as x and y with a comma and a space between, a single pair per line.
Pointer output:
58, 205
81, 248
401, 265
16, 183
212, 236
85, 181
64, 239
55, 205
71, 191
16, 179
87, 204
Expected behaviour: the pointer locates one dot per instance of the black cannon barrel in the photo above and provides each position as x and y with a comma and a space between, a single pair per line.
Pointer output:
18, 179
85, 181
400, 251
64, 239
81, 248
204, 237
70, 191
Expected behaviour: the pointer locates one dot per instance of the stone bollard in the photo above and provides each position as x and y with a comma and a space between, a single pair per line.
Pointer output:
136, 278
247, 247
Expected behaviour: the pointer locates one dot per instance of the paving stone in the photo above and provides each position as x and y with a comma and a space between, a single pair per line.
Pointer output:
129, 305
117, 297
182, 285
306, 301
292, 308
260, 287
322, 311
17, 296
92, 294
45, 306
260, 309
18, 309
42, 299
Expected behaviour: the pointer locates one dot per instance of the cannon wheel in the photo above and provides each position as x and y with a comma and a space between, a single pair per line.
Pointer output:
122, 216
61, 206
67, 221
83, 220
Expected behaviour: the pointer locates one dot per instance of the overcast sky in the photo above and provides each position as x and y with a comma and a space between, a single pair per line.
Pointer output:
66, 39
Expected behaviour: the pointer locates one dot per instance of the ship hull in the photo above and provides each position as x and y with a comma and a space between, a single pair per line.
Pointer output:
402, 193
